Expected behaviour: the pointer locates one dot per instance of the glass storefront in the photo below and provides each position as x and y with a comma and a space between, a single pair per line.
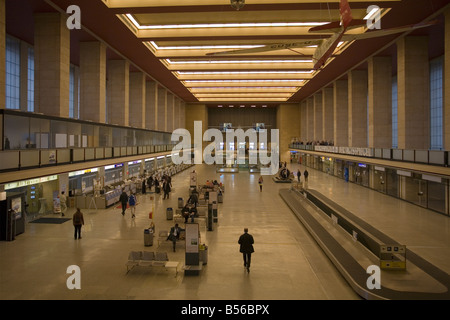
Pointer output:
438, 195
392, 183
362, 174
427, 191
379, 179
415, 190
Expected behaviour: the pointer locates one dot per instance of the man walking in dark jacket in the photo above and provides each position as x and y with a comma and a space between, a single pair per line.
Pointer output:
246, 241
124, 201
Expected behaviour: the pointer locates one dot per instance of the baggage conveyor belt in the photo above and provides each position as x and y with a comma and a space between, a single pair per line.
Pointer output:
421, 280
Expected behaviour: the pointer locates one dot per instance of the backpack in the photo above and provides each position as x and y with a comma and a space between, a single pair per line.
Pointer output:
132, 200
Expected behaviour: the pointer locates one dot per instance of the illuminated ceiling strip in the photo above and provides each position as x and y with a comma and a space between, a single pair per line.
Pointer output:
237, 88
204, 47
223, 25
244, 99
242, 72
243, 95
236, 61
243, 81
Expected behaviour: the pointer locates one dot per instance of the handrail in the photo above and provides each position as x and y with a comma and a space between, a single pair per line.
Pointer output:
430, 157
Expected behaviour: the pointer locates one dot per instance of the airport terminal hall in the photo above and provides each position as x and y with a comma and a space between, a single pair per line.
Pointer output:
227, 157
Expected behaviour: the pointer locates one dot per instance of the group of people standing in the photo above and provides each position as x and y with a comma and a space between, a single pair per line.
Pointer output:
151, 181
305, 174
131, 200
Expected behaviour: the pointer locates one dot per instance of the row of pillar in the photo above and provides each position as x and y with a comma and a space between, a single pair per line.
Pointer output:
130, 98
357, 111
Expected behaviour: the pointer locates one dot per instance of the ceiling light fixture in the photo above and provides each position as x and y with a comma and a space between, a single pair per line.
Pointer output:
204, 47
222, 25
237, 61
243, 72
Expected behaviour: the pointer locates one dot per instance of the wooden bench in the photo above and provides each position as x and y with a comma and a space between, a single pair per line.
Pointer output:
150, 259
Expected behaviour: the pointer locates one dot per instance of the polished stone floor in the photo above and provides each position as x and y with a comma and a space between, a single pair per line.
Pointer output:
287, 264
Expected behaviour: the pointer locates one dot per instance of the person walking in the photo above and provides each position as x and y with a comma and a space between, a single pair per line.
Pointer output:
144, 186
78, 222
124, 201
299, 174
306, 174
260, 182
63, 203
246, 241
166, 188
132, 201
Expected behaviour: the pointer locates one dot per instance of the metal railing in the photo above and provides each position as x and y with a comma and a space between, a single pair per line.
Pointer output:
431, 157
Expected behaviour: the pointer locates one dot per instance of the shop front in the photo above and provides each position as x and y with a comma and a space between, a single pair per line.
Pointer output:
362, 174
38, 194
378, 177
134, 168
113, 174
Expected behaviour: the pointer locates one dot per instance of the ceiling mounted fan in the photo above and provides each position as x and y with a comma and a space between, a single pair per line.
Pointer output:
326, 47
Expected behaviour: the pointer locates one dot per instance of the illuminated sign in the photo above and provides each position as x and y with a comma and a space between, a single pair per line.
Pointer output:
80, 172
23, 183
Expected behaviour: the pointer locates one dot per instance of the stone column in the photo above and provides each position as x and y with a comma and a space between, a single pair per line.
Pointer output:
413, 93
118, 91
93, 81
357, 108
151, 101
318, 117
197, 112
303, 121
287, 123
447, 82
52, 64
380, 102
327, 112
2, 54
310, 119
137, 99
162, 107
170, 113
176, 113
340, 113
182, 114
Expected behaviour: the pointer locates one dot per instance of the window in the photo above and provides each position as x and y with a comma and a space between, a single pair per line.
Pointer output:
12, 73
71, 92
436, 103
30, 93
394, 113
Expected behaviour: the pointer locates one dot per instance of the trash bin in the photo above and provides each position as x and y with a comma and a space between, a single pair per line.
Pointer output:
203, 254
180, 203
169, 214
148, 237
